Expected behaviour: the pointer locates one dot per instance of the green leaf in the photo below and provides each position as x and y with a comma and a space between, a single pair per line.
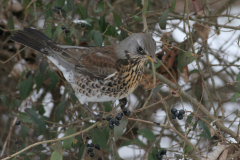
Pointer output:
80, 151
73, 97
26, 87
41, 110
187, 58
74, 32
107, 106
43, 66
77, 141
99, 137
68, 142
188, 149
163, 19
59, 111
102, 23
15, 102
4, 99
83, 11
118, 130
39, 81
60, 2
57, 146
48, 31
172, 6
199, 89
53, 79
98, 40
100, 7
10, 21
144, 10
117, 20
24, 130
58, 32
70, 5
147, 134
37, 120
23, 116
112, 31
206, 133
56, 156
38, 3
235, 97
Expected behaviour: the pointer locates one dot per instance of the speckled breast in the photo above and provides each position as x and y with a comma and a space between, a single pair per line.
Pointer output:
124, 82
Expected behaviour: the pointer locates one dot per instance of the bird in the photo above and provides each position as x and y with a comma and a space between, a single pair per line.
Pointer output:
96, 74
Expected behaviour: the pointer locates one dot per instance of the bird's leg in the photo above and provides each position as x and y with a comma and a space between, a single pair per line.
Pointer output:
96, 117
123, 102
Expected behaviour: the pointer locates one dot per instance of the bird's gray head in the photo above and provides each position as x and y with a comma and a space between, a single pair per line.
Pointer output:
137, 45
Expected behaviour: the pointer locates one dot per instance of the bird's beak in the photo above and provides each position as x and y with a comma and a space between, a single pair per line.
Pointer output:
152, 58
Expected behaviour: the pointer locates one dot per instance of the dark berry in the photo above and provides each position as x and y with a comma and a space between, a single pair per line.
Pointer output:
173, 117
173, 110
91, 154
108, 118
28, 73
111, 126
90, 149
83, 24
16, 142
119, 117
127, 113
176, 114
124, 110
100, 158
59, 10
117, 123
180, 116
97, 146
113, 121
88, 145
181, 111
67, 30
163, 152
91, 145
63, 27
158, 155
18, 122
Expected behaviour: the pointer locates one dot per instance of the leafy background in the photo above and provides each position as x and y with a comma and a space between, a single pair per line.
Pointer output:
200, 40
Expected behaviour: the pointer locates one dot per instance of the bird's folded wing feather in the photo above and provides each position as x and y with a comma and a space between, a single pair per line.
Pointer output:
94, 61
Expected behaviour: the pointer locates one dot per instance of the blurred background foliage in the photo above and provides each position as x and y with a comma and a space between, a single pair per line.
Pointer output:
37, 104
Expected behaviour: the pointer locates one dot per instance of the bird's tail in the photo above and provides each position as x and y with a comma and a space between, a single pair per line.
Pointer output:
34, 39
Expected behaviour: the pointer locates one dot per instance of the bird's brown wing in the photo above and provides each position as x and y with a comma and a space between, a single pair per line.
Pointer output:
97, 62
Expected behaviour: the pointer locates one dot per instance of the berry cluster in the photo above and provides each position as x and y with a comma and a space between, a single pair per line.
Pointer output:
90, 149
159, 155
117, 118
177, 114
65, 29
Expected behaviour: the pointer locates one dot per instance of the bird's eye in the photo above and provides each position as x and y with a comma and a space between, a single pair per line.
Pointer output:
140, 49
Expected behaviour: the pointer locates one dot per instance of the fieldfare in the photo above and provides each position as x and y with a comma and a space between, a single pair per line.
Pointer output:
96, 74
